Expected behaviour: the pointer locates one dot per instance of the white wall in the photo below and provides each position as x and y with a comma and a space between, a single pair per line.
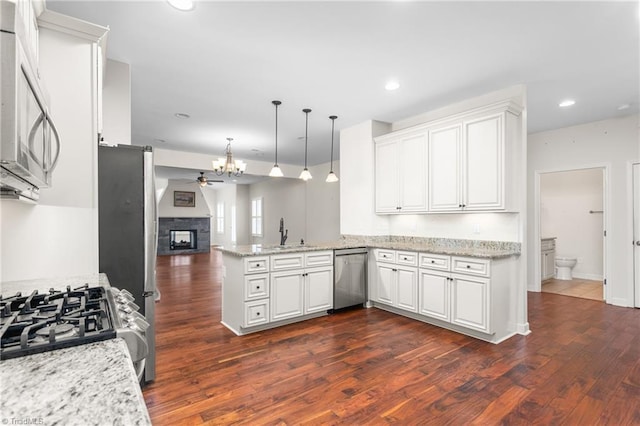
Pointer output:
613, 143
323, 205
59, 236
357, 190
167, 209
565, 201
116, 103
243, 215
281, 198
476, 226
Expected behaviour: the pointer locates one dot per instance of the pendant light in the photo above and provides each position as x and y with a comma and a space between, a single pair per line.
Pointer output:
305, 175
228, 165
331, 177
276, 171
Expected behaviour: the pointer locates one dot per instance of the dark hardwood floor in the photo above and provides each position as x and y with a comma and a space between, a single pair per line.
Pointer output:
581, 364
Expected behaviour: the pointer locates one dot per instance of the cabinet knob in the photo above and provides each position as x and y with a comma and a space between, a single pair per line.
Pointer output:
257, 314
258, 287
468, 266
257, 265
433, 261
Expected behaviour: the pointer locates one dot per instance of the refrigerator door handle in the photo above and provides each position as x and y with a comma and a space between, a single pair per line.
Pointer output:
148, 293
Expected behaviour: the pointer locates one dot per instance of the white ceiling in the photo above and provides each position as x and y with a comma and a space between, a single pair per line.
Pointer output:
224, 62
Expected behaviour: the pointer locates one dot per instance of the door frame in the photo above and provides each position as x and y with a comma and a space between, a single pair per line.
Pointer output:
632, 196
606, 254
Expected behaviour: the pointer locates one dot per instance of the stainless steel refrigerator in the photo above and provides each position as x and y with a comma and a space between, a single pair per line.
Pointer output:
128, 229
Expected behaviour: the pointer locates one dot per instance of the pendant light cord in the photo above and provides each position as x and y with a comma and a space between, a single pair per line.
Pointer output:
333, 122
276, 132
306, 132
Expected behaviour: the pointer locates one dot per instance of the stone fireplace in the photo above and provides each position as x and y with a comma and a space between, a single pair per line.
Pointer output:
183, 235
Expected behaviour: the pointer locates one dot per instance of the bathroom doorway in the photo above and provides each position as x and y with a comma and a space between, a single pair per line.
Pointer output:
636, 232
572, 232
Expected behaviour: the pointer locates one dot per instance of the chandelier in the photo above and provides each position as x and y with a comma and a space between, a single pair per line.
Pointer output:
227, 165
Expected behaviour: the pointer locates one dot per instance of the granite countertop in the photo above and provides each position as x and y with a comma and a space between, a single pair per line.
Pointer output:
548, 238
90, 384
456, 247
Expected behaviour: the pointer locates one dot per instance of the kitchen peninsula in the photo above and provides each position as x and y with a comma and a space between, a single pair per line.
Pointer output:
462, 285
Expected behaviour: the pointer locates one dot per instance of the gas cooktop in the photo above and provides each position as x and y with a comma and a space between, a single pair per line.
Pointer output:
58, 319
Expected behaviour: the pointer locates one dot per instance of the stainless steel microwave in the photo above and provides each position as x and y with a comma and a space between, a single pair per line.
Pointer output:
29, 141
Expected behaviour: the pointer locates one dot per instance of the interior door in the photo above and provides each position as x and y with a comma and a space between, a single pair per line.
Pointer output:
636, 233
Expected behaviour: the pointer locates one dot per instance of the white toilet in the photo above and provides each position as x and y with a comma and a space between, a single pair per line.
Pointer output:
564, 265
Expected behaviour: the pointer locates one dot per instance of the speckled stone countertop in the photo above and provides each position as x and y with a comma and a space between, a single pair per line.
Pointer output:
90, 384
456, 247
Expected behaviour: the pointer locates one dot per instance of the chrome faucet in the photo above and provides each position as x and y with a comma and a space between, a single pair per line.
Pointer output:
283, 233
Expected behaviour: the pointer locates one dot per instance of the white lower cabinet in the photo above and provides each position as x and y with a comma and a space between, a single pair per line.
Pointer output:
302, 291
318, 290
260, 291
471, 304
287, 295
396, 285
463, 299
434, 294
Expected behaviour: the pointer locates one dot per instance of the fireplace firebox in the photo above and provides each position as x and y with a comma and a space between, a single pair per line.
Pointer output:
183, 239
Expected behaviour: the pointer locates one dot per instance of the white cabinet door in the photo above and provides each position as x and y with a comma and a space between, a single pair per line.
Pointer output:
386, 284
407, 287
287, 290
413, 174
434, 295
444, 169
548, 264
386, 161
483, 164
470, 302
318, 290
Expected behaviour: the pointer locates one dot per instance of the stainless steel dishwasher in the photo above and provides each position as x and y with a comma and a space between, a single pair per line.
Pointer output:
350, 277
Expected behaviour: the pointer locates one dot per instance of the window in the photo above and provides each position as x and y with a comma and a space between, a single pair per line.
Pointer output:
220, 218
233, 225
256, 217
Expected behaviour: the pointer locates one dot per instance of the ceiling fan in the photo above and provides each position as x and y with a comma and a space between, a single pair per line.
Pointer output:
203, 181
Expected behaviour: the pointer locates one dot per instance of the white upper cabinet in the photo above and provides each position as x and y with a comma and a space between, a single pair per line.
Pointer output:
445, 173
483, 164
454, 164
401, 175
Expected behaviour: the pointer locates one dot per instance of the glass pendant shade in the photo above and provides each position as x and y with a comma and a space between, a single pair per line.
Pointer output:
331, 177
305, 175
276, 171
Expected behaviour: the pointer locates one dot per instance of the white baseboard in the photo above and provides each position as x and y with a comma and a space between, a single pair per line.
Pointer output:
581, 276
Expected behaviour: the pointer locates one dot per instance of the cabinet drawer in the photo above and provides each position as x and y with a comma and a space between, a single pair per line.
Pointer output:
387, 256
282, 262
435, 261
256, 286
256, 312
253, 265
548, 245
407, 258
318, 258
473, 266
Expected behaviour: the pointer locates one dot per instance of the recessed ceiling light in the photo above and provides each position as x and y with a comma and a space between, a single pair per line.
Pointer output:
623, 107
392, 85
182, 115
566, 103
183, 5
